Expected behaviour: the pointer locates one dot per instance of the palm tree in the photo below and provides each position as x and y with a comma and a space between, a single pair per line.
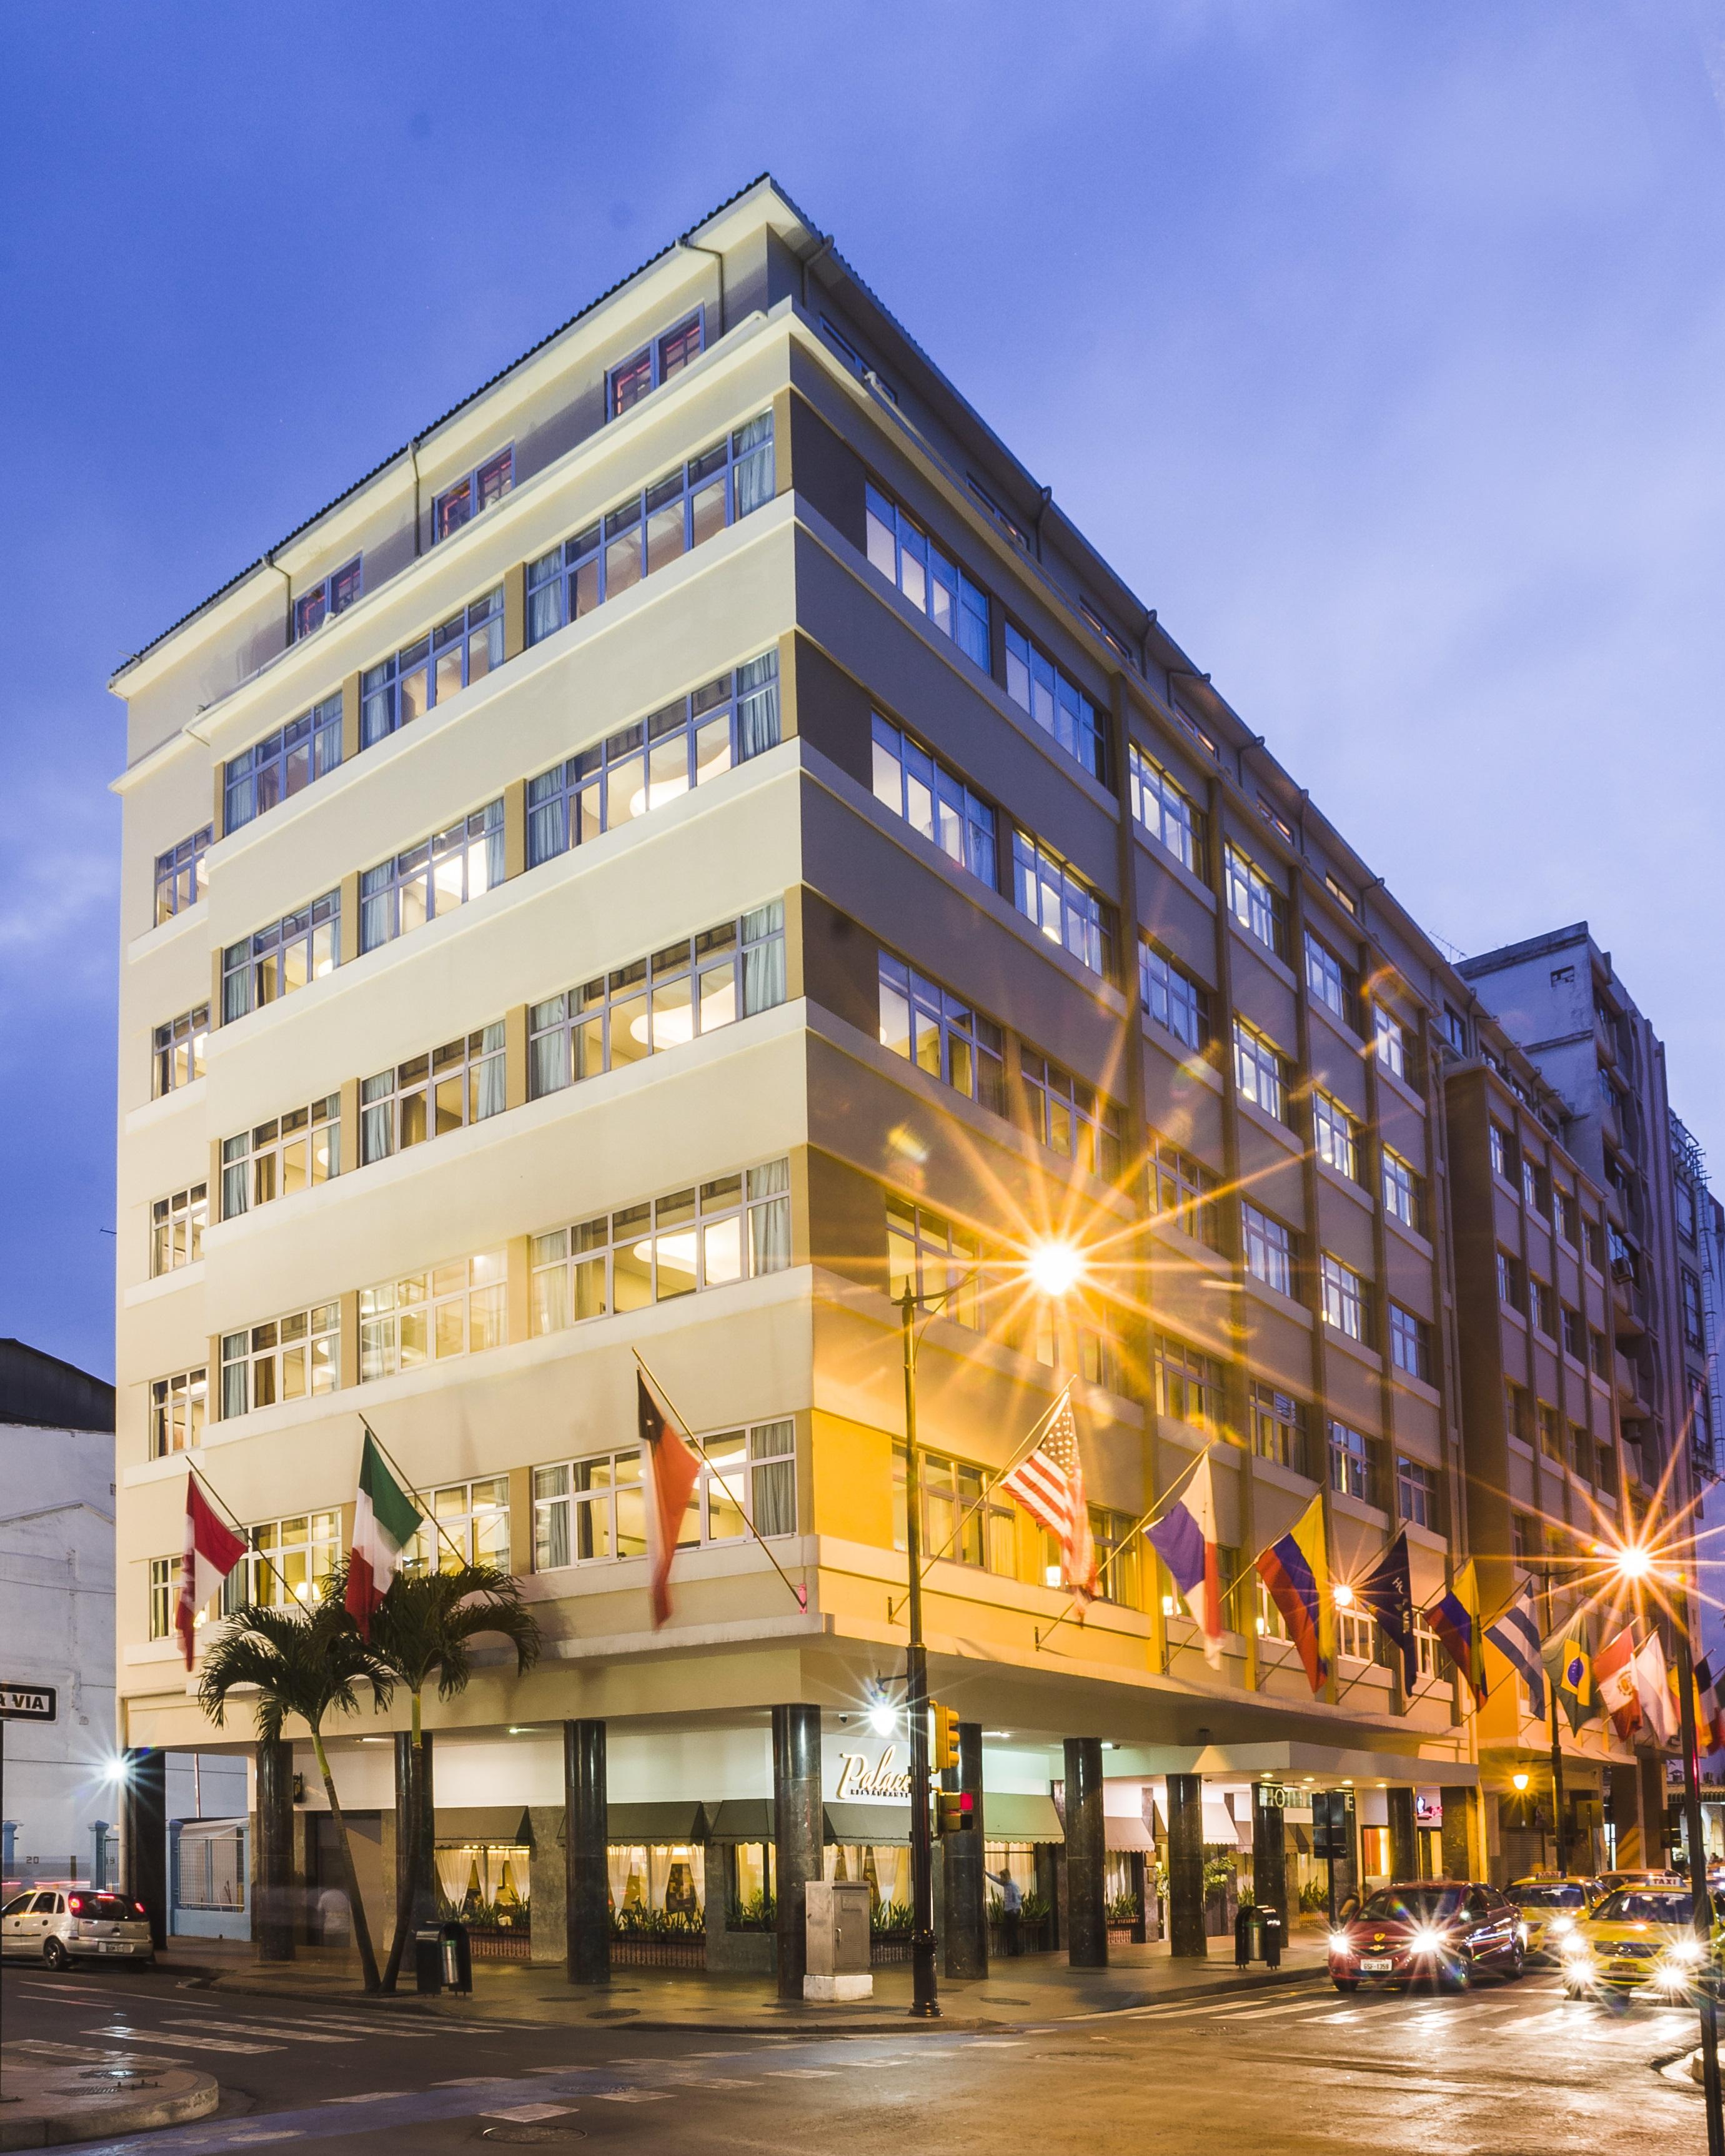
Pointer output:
304, 1662
424, 1627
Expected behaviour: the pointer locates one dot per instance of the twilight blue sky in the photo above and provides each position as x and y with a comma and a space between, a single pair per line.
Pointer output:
1380, 346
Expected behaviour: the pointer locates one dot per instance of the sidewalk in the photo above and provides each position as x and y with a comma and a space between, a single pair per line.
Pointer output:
45, 2100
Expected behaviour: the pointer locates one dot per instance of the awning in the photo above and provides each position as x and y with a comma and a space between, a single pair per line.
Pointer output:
1122, 1833
856, 1825
1011, 1816
673, 1820
208, 1829
509, 1824
741, 1819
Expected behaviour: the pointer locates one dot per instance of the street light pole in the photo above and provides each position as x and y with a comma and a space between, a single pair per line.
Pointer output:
1702, 1908
925, 2002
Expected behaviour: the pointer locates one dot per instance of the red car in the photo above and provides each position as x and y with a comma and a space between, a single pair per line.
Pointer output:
1442, 1932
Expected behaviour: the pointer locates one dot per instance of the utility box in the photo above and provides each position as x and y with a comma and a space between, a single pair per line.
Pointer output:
836, 1928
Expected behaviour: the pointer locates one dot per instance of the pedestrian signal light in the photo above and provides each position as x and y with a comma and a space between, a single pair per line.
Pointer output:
955, 1811
945, 1753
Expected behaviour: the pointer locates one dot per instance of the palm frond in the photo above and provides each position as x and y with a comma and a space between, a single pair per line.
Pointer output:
300, 1662
428, 1622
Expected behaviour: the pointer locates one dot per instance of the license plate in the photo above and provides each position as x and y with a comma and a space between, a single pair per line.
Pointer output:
1377, 1964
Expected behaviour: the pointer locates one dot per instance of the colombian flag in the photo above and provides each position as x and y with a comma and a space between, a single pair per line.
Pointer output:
1296, 1571
1455, 1617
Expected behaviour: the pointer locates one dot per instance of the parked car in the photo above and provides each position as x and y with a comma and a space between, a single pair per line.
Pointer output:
1443, 1932
1550, 1908
1640, 1939
1613, 1882
60, 1925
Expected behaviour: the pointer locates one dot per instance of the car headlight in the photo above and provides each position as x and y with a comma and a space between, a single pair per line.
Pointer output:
1340, 1944
1684, 1953
1576, 1948
1427, 1941
1560, 1927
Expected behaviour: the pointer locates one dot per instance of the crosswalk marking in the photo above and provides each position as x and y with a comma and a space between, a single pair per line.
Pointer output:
371, 2095
293, 2032
530, 2114
633, 2096
83, 2053
182, 2043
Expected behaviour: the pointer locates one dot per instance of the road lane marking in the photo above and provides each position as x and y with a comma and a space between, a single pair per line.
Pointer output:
179, 2043
371, 2095
291, 2031
82, 2051
633, 2096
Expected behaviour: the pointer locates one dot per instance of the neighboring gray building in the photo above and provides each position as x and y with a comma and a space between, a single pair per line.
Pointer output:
57, 1608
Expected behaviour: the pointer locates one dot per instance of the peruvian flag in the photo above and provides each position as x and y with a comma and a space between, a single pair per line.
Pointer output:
212, 1551
1185, 1540
669, 1471
1615, 1681
385, 1521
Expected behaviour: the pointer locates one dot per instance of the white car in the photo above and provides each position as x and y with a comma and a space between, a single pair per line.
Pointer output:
59, 1925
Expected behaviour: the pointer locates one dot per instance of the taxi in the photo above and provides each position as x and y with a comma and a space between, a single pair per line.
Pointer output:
1551, 1907
1638, 1939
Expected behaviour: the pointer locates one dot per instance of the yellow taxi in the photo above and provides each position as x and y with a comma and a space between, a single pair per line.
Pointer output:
1551, 1907
1638, 1939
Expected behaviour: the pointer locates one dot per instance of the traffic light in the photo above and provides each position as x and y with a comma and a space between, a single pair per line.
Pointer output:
955, 1811
944, 1753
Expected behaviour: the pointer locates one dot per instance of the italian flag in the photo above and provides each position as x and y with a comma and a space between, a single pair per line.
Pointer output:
385, 1521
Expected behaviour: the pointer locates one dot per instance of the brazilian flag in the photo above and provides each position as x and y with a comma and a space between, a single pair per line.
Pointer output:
1568, 1663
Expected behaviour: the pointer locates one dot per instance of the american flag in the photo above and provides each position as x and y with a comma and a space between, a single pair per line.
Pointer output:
1050, 1485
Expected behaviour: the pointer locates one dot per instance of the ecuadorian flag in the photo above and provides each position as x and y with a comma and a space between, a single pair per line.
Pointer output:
1455, 1617
1295, 1569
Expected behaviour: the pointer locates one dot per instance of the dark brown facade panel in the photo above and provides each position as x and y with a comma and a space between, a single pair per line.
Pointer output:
841, 966
827, 472
833, 711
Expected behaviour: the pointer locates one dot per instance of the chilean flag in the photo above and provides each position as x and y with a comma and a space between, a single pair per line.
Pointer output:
669, 1471
1185, 1540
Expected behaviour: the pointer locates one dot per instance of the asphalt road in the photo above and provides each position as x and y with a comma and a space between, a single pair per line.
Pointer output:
1509, 2069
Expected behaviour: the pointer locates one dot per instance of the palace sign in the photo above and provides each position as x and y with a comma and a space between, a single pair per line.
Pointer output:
859, 1778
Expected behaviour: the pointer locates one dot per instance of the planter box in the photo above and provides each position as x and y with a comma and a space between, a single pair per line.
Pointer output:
515, 1944
627, 1952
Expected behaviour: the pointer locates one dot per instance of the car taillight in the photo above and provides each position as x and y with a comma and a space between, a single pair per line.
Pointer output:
141, 1909
74, 1902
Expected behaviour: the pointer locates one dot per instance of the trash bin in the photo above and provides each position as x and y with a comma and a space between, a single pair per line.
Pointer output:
428, 1959
457, 1952
1271, 1943
1248, 1936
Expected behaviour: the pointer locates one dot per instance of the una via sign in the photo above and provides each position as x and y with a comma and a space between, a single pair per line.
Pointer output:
28, 1703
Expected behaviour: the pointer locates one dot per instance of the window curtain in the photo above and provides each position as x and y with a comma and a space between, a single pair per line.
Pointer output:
236, 983
494, 845
454, 1874
547, 831
753, 446
492, 1091
375, 909
547, 1064
763, 975
770, 1225
758, 705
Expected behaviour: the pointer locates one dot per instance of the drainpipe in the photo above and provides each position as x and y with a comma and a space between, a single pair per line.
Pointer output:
1047, 496
808, 262
694, 249
288, 634
414, 452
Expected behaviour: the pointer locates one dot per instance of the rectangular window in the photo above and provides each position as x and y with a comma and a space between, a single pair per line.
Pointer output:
1259, 1070
655, 364
1356, 1641
1694, 1323
433, 878
906, 556
957, 1518
1409, 1343
1335, 1134
1536, 1186
176, 1226
1518, 1413
462, 649
1598, 1353
288, 1562
459, 503
290, 1153
446, 1310
1684, 1195
1058, 901
590, 1511
1344, 1299
731, 1228
1551, 1440
1391, 1038
652, 529
1336, 986
1455, 1027
922, 1023
1352, 1463
1183, 1193
1569, 1218
1069, 1118
176, 1412
287, 955
182, 875
1165, 810
1112, 638
282, 765
1278, 1427
1509, 1280
1056, 703
933, 800
1189, 1383
934, 1257
1416, 1493
695, 986
1116, 1538
1256, 903
332, 596
1403, 1192
1504, 1157
1574, 1334
288, 1358
1173, 997
654, 762
1268, 1248
176, 1051
1544, 1308
1101, 1358
1343, 896
164, 1595
446, 1089
1590, 1243
468, 1525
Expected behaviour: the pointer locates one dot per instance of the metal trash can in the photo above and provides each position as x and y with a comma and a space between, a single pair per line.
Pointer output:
428, 1959
457, 1956
1248, 1935
1270, 1939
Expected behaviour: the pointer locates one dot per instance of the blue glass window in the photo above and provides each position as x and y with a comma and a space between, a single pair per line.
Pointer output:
432, 878
288, 955
1057, 705
333, 596
643, 372
1062, 904
272, 770
934, 800
464, 648
904, 554
459, 503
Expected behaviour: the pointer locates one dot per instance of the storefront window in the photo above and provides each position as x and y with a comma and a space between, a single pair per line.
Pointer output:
671, 1877
884, 1867
1017, 1857
485, 1882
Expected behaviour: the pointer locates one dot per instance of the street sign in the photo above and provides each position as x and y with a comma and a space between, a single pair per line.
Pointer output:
23, 1702
1332, 1823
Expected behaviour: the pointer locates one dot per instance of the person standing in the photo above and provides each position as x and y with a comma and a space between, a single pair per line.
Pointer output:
1012, 1907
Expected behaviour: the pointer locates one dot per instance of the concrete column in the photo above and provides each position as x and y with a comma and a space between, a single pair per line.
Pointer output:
1087, 1857
1269, 1857
1344, 1871
143, 1834
1048, 1886
1464, 1854
1185, 1866
424, 1906
1624, 1786
1140, 1920
1649, 1766
1403, 1841
965, 1897
273, 1907
797, 1830
587, 1899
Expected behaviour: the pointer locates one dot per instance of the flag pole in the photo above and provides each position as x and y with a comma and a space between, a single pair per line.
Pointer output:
390, 1461
1127, 1540
801, 1591
244, 1534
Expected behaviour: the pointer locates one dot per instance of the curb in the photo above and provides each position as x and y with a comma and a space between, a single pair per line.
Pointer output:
40, 2130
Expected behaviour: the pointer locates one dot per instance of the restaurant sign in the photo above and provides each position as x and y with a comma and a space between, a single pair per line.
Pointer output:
859, 1776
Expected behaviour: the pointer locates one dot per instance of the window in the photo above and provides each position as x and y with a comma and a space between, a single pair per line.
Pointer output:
1336, 986
1335, 1134
591, 1510
731, 1228
1165, 810
1410, 1343
287, 1359
1391, 1038
332, 596
1057, 704
1278, 1426
644, 371
652, 529
1255, 902
1356, 1638
164, 1595
289, 955
277, 1159
951, 1490
1189, 1383
1598, 1353
1351, 1463
1268, 1248
1173, 997
1058, 901
1101, 1358
1518, 1413
1574, 1334
1590, 1243
1070, 1117
282, 765
906, 557
1685, 1195
1581, 1451
176, 1412
1343, 896
1115, 642
449, 1087
1416, 1493
446, 1310
933, 1257
1259, 1070
1551, 1442
177, 1056
1115, 1537
434, 877
1183, 1193
288, 1561
1344, 1298
1536, 1186
459, 503
1007, 522
654, 762
1429, 1652
1543, 1307
1455, 1027
1694, 1325
176, 1226
183, 878
1274, 817
468, 1525
1509, 1280
1403, 1192
462, 649
1271, 1623
690, 986
933, 1030
1503, 1154
933, 800
1568, 1218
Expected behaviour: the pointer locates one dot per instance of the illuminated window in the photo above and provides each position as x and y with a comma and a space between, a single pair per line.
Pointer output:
459, 503
290, 1153
330, 596
906, 556
176, 1412
441, 874
1344, 1298
459, 652
279, 960
1056, 703
444, 1090
1165, 810
177, 1225
933, 800
182, 875
921, 1022
176, 1051
449, 1309
1256, 903
1336, 1135
286, 1358
655, 364
1173, 997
